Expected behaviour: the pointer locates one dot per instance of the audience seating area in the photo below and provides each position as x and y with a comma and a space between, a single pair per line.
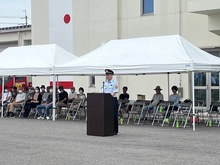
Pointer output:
133, 113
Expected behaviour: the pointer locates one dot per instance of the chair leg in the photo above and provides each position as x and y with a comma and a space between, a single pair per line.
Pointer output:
155, 115
165, 117
35, 115
174, 122
141, 114
129, 117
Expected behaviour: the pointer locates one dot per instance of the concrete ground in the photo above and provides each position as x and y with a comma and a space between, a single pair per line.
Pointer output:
41, 142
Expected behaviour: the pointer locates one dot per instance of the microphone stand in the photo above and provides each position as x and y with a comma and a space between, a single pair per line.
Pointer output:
103, 84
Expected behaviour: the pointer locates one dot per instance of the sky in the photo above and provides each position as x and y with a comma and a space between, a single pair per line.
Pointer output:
12, 12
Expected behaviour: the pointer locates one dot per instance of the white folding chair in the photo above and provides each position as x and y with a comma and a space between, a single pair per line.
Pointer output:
123, 106
137, 108
199, 108
75, 109
183, 113
161, 112
213, 114
142, 116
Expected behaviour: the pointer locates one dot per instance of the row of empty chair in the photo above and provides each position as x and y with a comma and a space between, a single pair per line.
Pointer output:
181, 117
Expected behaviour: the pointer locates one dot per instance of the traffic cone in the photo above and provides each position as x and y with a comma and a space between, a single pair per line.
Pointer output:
185, 120
210, 123
177, 124
68, 116
121, 121
161, 109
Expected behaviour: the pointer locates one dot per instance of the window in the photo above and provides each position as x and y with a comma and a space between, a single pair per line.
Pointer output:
92, 81
148, 6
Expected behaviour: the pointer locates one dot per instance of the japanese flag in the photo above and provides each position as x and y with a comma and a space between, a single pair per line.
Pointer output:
60, 24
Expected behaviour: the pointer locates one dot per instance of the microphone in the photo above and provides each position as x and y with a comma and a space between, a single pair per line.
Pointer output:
103, 84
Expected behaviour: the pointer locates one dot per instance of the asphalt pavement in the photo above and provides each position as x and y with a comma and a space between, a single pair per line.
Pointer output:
42, 142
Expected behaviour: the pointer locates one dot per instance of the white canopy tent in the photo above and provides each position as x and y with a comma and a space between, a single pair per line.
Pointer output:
34, 60
162, 54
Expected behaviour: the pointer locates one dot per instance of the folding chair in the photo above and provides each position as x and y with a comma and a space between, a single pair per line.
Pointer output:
63, 111
182, 115
137, 108
213, 113
161, 112
18, 110
79, 109
121, 103
199, 107
147, 102
123, 106
74, 109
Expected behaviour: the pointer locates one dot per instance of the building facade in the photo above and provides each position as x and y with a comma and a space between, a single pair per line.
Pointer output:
81, 26
15, 36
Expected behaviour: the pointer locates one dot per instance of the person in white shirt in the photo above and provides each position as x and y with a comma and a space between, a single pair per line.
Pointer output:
72, 95
6, 97
17, 103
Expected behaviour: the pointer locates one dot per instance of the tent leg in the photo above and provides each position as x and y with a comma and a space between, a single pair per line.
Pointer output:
54, 97
2, 96
193, 101
168, 84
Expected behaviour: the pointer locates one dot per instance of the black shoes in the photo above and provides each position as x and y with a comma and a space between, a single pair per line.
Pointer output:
12, 115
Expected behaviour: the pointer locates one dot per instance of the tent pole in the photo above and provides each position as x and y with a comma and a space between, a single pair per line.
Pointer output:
193, 101
168, 84
3, 80
54, 96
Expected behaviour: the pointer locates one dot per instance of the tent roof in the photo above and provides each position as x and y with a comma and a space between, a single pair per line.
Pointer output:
33, 60
144, 55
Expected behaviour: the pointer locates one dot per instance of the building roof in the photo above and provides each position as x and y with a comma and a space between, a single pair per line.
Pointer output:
15, 28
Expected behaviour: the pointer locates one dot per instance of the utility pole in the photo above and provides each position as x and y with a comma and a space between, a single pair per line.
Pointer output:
25, 17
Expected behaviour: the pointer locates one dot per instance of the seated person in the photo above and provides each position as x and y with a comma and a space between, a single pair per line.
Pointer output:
6, 97
72, 95
26, 90
156, 100
45, 94
14, 93
32, 103
42, 88
123, 96
17, 103
175, 98
62, 99
31, 92
47, 105
81, 95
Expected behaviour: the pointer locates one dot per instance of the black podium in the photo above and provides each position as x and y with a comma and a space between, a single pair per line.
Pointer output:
100, 114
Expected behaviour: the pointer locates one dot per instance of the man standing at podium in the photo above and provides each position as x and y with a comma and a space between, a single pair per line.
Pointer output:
111, 86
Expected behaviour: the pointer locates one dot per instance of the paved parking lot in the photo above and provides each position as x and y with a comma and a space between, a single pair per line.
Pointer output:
34, 142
